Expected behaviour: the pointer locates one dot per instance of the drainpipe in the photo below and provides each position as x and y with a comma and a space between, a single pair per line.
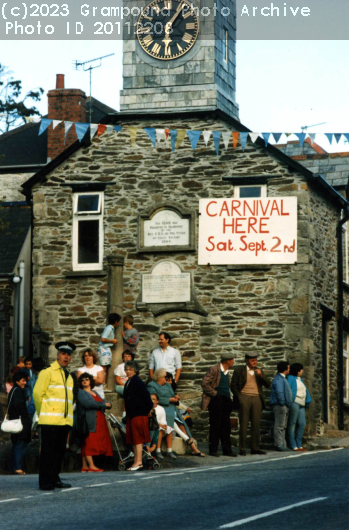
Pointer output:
16, 280
340, 319
21, 310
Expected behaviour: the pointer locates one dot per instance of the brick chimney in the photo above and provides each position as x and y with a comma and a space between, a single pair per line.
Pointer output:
66, 104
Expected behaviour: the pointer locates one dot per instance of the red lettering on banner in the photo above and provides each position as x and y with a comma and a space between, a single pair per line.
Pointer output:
262, 225
282, 208
225, 224
251, 222
274, 206
266, 208
247, 206
211, 243
211, 214
238, 225
224, 208
235, 208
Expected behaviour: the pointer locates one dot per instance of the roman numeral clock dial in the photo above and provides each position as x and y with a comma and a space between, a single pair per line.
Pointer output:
167, 29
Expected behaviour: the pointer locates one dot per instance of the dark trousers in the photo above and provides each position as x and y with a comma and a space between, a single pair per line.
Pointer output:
250, 408
17, 454
219, 410
53, 442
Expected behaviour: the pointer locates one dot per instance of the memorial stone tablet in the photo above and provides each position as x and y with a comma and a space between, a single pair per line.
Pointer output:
165, 284
166, 228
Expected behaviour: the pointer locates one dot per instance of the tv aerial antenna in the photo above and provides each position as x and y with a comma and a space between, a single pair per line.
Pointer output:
83, 66
306, 127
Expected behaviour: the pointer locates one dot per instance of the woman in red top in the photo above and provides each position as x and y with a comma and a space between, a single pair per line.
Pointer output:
98, 441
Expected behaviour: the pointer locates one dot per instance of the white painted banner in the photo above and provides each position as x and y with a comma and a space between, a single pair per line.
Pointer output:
248, 231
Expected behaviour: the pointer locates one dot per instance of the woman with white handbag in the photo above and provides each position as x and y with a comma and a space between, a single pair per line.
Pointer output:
17, 410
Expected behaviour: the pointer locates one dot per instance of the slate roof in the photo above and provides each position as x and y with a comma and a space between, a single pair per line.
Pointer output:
15, 220
23, 150
23, 147
316, 180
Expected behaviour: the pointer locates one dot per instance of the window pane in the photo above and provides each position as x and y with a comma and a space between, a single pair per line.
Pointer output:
250, 191
88, 203
88, 242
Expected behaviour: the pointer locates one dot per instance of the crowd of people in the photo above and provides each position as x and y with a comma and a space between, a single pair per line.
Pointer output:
64, 404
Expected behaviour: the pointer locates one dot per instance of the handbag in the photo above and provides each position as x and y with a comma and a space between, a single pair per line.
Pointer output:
11, 426
81, 427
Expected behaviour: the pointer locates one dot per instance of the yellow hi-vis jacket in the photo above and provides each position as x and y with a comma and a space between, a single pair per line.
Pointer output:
53, 396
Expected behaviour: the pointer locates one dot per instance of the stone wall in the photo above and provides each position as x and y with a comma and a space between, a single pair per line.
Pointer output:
10, 186
6, 316
271, 310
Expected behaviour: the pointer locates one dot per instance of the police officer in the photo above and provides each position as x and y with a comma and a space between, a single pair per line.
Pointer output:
53, 398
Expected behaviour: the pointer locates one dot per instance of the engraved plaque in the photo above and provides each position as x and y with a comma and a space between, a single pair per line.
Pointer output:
165, 284
166, 228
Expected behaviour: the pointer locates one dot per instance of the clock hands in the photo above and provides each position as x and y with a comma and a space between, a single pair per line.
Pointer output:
168, 26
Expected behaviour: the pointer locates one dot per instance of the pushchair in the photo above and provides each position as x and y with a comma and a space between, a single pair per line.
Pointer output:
148, 460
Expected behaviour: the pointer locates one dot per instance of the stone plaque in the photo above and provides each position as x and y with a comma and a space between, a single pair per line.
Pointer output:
165, 284
165, 227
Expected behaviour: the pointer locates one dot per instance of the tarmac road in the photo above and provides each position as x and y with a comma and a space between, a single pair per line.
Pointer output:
307, 491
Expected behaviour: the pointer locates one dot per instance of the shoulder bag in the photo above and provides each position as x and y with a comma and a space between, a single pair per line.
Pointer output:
11, 426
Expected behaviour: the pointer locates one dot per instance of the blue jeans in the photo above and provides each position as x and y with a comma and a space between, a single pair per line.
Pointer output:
17, 454
296, 425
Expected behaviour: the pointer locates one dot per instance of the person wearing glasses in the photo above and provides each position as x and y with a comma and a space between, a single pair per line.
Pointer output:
98, 441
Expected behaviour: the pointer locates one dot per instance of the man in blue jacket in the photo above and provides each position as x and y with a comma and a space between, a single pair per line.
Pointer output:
280, 400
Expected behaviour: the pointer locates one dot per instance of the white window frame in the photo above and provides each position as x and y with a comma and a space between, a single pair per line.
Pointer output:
262, 186
346, 368
87, 216
346, 253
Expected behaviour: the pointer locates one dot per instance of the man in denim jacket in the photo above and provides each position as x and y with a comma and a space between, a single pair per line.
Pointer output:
281, 399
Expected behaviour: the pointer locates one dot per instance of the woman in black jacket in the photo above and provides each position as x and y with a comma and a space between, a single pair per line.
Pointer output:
138, 404
17, 408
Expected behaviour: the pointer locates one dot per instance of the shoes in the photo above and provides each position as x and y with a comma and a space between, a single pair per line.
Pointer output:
242, 452
213, 454
48, 487
159, 456
136, 468
84, 469
258, 452
199, 454
229, 454
91, 470
62, 485
301, 450
281, 449
19, 472
172, 455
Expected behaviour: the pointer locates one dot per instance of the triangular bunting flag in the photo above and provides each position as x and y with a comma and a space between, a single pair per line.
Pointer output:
43, 125
243, 139
337, 136
312, 137
288, 134
346, 136
67, 127
180, 137
216, 135
277, 137
266, 137
329, 137
55, 123
93, 129
253, 137
235, 138
133, 134
173, 134
151, 133
226, 136
167, 132
110, 129
117, 128
160, 134
301, 138
81, 129
101, 129
194, 138
206, 135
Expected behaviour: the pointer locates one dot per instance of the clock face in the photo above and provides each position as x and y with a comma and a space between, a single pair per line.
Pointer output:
167, 29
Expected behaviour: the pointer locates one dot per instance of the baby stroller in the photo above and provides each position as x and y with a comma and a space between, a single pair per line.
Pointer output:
148, 460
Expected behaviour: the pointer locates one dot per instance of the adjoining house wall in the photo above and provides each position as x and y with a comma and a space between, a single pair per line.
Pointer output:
10, 185
273, 311
6, 314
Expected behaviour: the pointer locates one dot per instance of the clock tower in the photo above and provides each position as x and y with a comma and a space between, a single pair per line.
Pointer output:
179, 55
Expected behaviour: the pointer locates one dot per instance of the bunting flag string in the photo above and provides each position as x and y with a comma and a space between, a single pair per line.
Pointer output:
177, 136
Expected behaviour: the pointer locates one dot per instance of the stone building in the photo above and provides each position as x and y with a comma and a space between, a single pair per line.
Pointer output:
117, 226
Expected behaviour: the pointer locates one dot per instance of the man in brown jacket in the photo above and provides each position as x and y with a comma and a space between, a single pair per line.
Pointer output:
247, 387
216, 398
